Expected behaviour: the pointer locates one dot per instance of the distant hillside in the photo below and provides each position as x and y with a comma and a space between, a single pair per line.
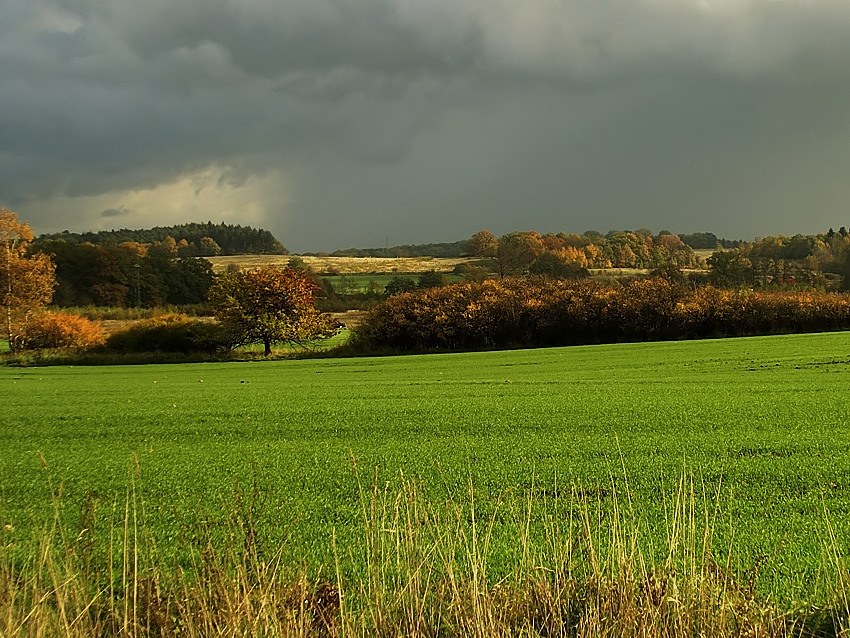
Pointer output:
233, 240
445, 249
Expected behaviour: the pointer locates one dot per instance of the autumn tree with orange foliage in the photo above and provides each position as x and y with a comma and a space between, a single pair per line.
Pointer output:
26, 283
268, 305
59, 330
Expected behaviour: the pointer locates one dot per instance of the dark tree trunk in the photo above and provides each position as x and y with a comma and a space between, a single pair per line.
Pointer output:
267, 344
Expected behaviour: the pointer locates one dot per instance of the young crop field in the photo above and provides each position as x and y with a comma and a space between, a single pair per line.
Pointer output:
756, 429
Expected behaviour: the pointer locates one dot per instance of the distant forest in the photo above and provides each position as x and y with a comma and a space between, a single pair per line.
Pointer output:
453, 249
209, 239
194, 239
444, 249
165, 265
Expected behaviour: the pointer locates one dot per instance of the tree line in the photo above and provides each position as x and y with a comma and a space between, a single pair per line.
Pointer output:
820, 261
193, 239
811, 261
446, 250
455, 249
129, 274
550, 254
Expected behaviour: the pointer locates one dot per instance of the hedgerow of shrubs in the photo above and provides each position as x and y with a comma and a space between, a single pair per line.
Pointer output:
544, 312
170, 333
59, 330
121, 313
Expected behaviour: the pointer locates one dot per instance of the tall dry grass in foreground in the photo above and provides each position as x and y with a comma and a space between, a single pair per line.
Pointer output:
423, 569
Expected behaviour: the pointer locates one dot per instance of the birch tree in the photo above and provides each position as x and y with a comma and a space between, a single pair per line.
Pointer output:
26, 282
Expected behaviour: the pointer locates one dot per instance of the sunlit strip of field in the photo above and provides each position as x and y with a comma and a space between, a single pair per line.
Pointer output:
344, 265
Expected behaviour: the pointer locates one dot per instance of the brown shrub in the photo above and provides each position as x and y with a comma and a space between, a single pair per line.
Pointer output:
59, 330
543, 312
169, 333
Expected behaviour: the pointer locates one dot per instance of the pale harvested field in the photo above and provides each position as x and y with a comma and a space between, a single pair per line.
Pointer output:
401, 265
344, 265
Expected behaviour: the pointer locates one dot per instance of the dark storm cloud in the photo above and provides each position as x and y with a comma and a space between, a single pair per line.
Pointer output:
342, 122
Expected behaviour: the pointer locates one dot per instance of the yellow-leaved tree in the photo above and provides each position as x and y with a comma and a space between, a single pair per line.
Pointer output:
268, 305
26, 282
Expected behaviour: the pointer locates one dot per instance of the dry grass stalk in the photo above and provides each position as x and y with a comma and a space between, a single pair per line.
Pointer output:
425, 570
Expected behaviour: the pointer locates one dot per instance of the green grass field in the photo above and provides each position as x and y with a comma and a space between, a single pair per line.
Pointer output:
760, 424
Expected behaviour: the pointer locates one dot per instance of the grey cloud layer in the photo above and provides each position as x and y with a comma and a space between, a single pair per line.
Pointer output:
407, 116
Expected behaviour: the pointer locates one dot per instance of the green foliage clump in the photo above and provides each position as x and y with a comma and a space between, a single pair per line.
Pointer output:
430, 279
398, 285
170, 333
551, 265
126, 275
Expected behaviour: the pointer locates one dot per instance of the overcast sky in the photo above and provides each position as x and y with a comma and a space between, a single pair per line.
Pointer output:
339, 123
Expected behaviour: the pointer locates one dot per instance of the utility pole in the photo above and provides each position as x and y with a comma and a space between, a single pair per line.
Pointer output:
137, 267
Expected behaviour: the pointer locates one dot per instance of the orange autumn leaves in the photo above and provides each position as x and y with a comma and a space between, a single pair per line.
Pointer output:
525, 312
26, 282
268, 305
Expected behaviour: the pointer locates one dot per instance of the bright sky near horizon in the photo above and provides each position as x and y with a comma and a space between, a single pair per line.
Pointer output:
339, 123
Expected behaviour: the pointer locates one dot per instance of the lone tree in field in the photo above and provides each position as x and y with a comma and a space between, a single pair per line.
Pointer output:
26, 283
268, 305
